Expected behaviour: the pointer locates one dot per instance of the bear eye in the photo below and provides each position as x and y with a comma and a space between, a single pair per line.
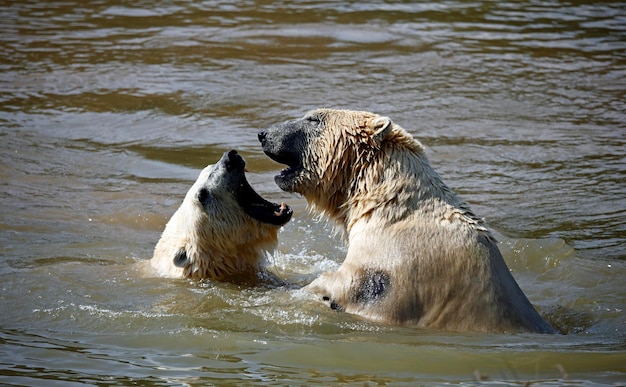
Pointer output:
313, 119
203, 196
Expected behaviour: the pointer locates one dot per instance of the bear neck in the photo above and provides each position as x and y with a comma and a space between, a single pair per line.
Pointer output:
242, 266
397, 186
214, 254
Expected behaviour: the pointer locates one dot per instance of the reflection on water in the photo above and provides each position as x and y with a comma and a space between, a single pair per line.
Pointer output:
108, 111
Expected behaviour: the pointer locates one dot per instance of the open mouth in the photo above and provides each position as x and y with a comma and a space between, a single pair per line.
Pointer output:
286, 175
253, 203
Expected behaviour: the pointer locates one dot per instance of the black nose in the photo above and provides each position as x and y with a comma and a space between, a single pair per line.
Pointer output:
262, 136
233, 161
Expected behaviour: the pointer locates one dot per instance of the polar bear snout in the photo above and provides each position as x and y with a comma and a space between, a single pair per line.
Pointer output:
285, 144
233, 161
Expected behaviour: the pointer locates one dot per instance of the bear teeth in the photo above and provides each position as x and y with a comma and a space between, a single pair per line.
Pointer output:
288, 171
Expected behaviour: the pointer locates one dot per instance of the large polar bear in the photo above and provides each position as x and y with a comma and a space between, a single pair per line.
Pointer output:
222, 229
417, 255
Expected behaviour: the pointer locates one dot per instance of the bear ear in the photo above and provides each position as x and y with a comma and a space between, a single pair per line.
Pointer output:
180, 259
381, 127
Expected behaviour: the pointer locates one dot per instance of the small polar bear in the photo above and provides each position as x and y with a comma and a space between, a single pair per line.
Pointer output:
222, 230
417, 254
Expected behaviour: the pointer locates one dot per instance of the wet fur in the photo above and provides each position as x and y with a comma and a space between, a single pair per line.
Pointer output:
211, 237
442, 267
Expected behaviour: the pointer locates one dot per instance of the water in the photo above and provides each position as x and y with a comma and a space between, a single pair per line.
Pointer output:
109, 109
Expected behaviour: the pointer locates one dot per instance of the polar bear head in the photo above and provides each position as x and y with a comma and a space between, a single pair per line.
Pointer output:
222, 229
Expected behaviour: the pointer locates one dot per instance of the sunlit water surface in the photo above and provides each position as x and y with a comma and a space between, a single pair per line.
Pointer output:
109, 109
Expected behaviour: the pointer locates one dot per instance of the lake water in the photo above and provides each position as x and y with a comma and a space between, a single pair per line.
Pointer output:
109, 109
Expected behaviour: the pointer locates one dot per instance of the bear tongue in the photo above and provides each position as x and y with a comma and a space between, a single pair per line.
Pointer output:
282, 210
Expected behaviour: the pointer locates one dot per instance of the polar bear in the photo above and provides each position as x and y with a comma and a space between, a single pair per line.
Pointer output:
417, 255
222, 229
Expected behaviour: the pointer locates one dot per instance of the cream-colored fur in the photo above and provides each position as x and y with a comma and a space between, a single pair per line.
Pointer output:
417, 254
210, 236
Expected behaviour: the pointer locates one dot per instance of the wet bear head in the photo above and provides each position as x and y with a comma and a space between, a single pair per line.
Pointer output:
222, 228
330, 153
